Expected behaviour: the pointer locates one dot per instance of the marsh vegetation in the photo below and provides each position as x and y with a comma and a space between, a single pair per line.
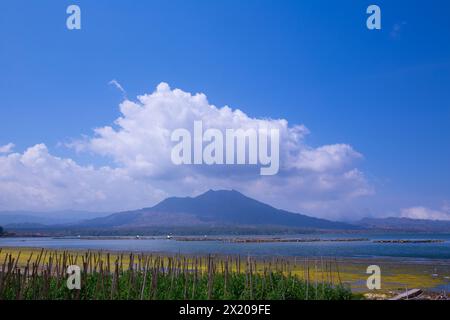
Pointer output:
43, 275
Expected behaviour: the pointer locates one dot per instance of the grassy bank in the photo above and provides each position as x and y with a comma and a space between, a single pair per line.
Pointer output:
33, 274
107, 275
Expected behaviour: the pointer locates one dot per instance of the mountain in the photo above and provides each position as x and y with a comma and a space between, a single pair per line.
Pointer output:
213, 209
405, 224
222, 212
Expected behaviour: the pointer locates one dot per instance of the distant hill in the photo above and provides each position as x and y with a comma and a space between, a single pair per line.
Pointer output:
28, 218
214, 212
405, 224
212, 209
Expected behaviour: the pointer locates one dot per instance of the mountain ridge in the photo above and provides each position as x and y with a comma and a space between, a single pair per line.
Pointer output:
214, 208
405, 224
212, 211
47, 218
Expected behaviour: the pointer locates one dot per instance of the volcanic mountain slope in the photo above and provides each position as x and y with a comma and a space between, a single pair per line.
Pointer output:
213, 208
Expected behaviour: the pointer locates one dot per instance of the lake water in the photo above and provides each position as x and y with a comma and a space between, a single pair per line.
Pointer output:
362, 249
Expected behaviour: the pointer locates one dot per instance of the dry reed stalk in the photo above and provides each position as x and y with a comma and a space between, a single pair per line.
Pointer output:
209, 277
144, 280
338, 273
250, 278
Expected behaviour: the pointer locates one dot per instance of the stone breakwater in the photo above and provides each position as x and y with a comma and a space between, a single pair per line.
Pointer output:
409, 241
265, 240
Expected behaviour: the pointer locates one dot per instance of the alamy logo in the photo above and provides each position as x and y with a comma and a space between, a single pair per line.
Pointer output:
235, 147
73, 22
374, 20
374, 280
74, 279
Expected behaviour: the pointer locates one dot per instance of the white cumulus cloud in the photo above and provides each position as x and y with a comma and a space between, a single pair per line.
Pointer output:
320, 180
36, 180
7, 148
326, 158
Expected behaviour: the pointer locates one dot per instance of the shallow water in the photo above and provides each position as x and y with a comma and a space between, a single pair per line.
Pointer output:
360, 249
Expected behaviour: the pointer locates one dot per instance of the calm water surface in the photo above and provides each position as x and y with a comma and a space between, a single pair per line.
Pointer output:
363, 249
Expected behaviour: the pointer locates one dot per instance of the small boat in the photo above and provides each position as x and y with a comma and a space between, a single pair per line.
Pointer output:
410, 294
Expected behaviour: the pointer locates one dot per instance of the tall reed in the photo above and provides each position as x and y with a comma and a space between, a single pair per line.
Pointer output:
156, 277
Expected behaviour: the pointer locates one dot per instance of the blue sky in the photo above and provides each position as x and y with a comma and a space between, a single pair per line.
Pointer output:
386, 93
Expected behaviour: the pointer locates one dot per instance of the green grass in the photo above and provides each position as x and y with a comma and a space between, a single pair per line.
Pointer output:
181, 287
135, 277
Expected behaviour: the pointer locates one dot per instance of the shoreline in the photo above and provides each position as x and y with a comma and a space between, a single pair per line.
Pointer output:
431, 276
244, 246
234, 239
411, 261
